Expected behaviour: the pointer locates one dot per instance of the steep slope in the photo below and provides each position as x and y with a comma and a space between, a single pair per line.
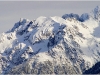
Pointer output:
50, 45
94, 70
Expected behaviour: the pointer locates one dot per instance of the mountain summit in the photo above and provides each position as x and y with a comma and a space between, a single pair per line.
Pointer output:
51, 45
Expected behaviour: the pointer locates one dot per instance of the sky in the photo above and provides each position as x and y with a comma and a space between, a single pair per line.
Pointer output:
12, 11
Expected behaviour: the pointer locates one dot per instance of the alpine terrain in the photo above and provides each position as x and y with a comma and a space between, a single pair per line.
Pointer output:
52, 45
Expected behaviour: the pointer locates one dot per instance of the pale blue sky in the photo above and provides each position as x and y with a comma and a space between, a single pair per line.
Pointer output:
12, 11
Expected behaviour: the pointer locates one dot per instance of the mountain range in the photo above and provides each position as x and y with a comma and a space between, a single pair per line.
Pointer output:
52, 45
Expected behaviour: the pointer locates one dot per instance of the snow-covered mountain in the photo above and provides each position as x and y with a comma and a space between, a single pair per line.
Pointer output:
52, 45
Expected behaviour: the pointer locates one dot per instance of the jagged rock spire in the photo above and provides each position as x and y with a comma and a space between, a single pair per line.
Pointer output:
96, 12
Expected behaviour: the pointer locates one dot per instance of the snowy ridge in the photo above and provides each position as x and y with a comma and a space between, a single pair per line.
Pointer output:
50, 45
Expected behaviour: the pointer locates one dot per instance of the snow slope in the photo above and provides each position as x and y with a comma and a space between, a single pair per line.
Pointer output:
50, 45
